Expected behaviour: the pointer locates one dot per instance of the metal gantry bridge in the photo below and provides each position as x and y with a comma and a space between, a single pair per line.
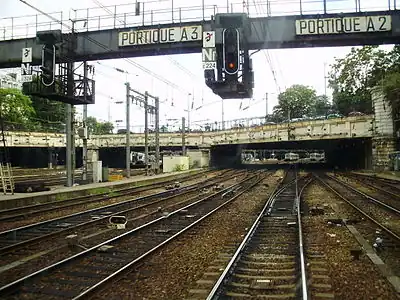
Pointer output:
287, 24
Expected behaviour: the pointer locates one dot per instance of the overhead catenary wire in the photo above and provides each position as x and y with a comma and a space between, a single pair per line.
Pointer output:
278, 67
266, 53
173, 61
104, 47
176, 63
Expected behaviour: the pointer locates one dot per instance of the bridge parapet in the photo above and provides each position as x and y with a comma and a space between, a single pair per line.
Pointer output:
341, 128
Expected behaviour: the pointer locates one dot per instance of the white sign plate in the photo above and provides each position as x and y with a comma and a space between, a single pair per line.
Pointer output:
361, 24
208, 54
209, 65
209, 58
208, 39
26, 69
160, 36
26, 78
26, 55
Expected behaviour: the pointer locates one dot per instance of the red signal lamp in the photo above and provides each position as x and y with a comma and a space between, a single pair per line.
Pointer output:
231, 65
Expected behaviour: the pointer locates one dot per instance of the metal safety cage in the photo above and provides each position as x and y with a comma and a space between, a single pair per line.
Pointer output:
63, 89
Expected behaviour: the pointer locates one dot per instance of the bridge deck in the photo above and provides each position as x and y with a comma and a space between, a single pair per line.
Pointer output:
341, 128
272, 32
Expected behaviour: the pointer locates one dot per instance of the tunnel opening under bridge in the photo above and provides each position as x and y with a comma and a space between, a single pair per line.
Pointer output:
342, 154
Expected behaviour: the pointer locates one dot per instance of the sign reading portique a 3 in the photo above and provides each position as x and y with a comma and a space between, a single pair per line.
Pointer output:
160, 36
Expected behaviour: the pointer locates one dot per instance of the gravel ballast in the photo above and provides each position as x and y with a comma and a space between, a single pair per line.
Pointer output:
350, 279
172, 271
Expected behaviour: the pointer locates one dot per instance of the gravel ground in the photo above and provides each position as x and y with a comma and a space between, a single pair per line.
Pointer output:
368, 188
375, 210
171, 272
60, 212
350, 279
90, 237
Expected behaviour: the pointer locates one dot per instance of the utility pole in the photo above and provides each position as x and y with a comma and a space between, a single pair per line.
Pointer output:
70, 147
222, 114
157, 129
183, 137
128, 131
266, 106
188, 111
146, 133
143, 100
84, 121
289, 129
325, 77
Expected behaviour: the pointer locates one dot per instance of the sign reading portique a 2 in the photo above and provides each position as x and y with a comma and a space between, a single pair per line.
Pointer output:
160, 36
357, 24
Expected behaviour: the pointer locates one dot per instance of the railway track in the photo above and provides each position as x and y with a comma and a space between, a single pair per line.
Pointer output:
20, 213
369, 220
270, 261
23, 236
83, 274
384, 215
54, 179
381, 186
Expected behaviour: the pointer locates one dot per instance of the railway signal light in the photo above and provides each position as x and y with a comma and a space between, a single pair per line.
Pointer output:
48, 64
231, 50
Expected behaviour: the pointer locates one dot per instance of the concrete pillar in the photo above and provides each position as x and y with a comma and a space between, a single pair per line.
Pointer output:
383, 114
93, 155
368, 154
381, 148
383, 142
50, 159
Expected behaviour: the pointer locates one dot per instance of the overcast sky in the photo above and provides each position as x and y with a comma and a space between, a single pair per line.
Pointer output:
290, 66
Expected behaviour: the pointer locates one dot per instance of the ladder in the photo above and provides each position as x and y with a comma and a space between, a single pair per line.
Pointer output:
7, 179
6, 176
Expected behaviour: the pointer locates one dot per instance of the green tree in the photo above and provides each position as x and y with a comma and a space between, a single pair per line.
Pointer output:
51, 115
352, 76
105, 128
298, 99
91, 124
391, 88
321, 106
16, 109
95, 127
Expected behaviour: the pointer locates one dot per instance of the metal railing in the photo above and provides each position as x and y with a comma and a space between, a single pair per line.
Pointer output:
165, 12
244, 124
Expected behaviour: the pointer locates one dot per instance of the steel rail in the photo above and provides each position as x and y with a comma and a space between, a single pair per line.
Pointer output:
214, 293
384, 186
389, 207
58, 230
92, 289
24, 210
394, 235
304, 288
11, 287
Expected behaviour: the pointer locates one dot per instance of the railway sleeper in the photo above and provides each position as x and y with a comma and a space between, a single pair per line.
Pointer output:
319, 280
204, 285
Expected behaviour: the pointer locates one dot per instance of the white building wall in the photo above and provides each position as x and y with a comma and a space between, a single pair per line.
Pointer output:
175, 163
9, 82
383, 113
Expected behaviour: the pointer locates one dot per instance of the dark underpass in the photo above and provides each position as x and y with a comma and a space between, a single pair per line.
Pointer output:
39, 157
339, 153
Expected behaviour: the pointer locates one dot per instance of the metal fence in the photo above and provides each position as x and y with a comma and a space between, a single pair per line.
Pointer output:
175, 11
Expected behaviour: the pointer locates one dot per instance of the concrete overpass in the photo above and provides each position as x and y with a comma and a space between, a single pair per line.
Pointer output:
340, 128
375, 132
